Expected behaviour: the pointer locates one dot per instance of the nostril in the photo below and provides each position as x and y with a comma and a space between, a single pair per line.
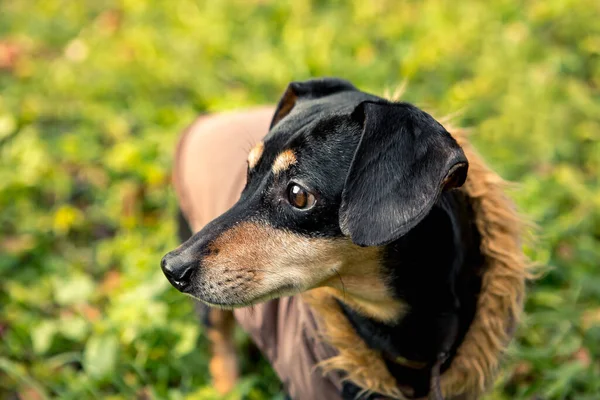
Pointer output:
187, 273
177, 270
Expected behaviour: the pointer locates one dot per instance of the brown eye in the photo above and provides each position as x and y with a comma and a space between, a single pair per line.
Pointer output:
300, 197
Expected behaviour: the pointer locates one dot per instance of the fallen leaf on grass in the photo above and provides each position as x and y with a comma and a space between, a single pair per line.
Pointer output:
9, 54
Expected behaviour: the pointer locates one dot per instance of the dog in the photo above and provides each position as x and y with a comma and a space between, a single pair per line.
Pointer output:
359, 217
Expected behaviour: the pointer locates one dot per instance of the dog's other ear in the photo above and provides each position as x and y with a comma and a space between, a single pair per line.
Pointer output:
403, 161
310, 89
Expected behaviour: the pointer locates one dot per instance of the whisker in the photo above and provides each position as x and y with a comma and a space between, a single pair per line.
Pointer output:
249, 144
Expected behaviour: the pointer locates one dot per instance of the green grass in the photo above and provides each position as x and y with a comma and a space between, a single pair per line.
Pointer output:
93, 95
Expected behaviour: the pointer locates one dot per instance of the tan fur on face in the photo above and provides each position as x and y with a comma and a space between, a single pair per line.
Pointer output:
283, 161
361, 286
253, 262
255, 154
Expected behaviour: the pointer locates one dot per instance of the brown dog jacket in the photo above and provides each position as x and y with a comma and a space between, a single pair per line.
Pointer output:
305, 337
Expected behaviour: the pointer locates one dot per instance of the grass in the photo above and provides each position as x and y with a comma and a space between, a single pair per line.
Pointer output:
94, 93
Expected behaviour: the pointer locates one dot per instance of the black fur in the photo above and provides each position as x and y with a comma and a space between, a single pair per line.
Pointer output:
399, 168
435, 269
381, 172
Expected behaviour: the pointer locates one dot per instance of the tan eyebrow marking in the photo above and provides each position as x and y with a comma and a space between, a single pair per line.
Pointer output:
255, 154
284, 160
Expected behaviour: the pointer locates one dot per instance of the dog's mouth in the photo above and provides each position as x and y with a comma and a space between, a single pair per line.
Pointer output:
233, 299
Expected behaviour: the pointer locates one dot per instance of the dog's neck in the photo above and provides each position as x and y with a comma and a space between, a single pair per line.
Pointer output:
434, 271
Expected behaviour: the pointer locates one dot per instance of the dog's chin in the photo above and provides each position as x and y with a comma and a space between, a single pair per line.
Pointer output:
239, 300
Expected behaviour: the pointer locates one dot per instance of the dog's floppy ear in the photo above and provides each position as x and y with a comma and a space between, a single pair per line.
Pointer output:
403, 161
310, 89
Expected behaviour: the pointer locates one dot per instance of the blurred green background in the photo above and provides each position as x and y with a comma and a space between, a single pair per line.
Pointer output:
94, 93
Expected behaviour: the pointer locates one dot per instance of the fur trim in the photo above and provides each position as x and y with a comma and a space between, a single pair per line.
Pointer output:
500, 302
359, 363
499, 306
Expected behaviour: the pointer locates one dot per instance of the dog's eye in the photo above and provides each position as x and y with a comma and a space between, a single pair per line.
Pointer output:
300, 197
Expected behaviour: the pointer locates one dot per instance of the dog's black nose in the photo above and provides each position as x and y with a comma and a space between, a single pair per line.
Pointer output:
178, 270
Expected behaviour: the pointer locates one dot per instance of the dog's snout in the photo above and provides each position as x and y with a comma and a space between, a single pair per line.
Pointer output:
178, 269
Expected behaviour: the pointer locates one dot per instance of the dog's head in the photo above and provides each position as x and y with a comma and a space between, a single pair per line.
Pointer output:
340, 174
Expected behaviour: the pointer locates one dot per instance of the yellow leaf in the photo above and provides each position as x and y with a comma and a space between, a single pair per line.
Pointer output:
65, 218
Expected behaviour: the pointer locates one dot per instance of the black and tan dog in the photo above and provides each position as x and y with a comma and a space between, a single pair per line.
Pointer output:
414, 283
